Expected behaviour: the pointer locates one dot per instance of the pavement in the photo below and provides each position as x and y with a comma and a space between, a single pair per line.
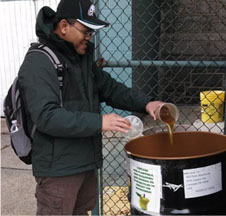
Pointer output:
17, 181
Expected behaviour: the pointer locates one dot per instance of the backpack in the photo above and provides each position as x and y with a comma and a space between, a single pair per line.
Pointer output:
14, 110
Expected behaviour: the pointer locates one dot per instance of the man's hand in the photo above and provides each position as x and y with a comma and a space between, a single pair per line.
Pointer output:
152, 106
113, 122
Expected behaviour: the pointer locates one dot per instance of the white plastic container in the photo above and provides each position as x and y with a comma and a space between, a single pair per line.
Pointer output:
136, 127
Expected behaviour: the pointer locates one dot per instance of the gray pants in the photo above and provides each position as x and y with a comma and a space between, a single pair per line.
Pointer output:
67, 195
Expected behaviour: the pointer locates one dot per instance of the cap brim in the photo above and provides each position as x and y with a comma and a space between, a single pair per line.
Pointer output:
94, 23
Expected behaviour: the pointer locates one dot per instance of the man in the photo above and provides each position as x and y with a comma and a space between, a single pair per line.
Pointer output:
67, 146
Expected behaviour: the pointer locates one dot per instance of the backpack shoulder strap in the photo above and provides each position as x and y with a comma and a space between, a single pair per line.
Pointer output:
57, 63
37, 47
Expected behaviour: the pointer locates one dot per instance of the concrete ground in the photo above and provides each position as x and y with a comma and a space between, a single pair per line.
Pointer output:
17, 182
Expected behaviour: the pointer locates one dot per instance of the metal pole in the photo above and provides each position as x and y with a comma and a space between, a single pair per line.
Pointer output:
224, 88
96, 41
162, 63
95, 211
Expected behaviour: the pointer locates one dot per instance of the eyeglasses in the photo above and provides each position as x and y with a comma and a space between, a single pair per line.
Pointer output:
86, 33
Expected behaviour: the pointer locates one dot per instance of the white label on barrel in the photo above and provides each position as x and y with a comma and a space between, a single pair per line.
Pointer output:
146, 186
202, 181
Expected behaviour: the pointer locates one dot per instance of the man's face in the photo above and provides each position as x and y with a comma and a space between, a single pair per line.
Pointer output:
79, 35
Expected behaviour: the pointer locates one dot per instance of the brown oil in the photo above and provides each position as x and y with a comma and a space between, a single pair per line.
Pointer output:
169, 120
189, 144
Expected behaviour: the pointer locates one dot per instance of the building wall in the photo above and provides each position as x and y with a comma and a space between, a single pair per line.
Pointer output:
17, 31
192, 30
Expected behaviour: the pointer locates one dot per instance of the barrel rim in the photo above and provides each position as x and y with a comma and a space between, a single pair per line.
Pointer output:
177, 158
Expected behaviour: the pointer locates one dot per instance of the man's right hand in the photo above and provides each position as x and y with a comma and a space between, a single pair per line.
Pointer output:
114, 122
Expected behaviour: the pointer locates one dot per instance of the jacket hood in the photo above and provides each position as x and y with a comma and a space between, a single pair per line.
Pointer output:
45, 22
45, 32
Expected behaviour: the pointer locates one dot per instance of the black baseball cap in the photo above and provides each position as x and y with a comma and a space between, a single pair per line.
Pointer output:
81, 10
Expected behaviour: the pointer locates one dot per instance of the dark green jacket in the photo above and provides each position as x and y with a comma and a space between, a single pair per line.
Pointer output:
68, 139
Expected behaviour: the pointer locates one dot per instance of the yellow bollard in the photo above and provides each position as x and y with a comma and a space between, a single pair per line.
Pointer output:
212, 106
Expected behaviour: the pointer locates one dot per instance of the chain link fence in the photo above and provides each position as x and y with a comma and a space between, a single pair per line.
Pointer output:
172, 50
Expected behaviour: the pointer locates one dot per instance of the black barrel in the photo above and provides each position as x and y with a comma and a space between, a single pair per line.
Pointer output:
188, 178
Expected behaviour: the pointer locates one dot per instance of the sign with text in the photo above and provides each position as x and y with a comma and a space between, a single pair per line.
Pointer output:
202, 181
146, 186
